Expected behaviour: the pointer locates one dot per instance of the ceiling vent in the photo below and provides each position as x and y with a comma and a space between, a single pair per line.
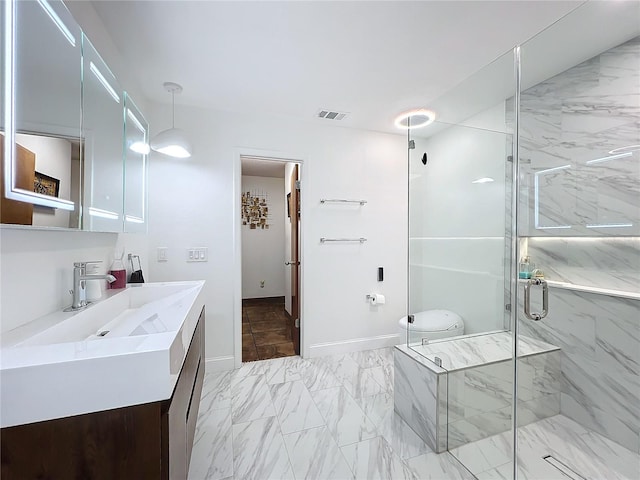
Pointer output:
331, 114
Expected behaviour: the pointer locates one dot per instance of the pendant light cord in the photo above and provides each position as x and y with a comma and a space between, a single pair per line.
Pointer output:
173, 109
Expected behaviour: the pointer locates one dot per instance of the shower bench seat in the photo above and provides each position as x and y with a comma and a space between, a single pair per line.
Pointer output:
455, 391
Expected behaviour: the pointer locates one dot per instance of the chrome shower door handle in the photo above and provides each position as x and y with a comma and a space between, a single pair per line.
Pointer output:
527, 299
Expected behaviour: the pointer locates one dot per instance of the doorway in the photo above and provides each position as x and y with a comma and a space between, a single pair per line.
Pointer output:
270, 257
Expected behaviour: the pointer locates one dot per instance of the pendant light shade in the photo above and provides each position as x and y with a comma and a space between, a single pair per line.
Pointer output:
173, 141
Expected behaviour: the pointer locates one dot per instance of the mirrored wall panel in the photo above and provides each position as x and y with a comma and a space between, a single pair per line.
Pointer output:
43, 154
62, 130
102, 129
136, 154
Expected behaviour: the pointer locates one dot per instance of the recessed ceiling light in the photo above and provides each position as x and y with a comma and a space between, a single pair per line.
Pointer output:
484, 180
415, 118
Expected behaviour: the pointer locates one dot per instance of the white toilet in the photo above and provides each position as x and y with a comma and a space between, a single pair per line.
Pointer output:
432, 325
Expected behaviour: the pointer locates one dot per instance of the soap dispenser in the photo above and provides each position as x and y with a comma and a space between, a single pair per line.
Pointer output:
524, 269
118, 271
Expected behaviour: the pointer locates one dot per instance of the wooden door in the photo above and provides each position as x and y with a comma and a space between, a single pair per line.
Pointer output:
12, 211
295, 259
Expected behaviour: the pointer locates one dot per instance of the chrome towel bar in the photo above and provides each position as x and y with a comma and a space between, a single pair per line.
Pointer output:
325, 240
337, 200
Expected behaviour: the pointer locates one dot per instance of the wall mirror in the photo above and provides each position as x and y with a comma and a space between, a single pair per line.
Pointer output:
42, 124
136, 133
62, 130
102, 104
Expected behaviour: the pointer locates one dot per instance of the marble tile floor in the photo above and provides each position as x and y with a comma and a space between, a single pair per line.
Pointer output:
587, 453
323, 418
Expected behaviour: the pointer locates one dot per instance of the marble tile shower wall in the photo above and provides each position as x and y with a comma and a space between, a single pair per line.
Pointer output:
599, 337
576, 185
603, 262
573, 182
480, 398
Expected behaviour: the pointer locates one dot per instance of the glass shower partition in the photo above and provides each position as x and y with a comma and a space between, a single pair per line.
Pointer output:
524, 220
460, 251
578, 405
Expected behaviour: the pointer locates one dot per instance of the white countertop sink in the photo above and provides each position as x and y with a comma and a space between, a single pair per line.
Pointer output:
126, 349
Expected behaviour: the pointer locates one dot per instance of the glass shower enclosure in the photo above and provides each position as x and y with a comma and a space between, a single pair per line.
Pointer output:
524, 226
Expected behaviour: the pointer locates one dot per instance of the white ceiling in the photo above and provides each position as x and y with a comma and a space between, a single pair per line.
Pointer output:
259, 167
372, 59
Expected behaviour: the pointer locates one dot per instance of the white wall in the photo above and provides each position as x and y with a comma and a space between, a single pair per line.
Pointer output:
457, 228
192, 203
36, 268
288, 173
263, 250
91, 24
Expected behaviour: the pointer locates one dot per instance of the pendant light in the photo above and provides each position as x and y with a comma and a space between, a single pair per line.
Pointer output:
172, 142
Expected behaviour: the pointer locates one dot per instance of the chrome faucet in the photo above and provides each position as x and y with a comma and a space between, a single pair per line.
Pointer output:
80, 278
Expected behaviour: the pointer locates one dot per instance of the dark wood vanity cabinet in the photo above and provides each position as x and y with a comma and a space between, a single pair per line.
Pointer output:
148, 441
181, 413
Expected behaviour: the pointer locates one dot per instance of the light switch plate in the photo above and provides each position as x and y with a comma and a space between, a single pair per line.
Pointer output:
163, 254
198, 254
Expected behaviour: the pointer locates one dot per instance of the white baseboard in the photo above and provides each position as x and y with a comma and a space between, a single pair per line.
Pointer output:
354, 345
219, 364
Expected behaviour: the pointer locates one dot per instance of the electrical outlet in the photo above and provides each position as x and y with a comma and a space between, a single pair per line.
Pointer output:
163, 254
198, 254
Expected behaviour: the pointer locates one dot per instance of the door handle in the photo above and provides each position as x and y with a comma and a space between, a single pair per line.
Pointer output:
527, 299
292, 263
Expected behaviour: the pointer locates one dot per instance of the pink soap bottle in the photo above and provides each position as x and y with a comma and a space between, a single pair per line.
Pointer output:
118, 271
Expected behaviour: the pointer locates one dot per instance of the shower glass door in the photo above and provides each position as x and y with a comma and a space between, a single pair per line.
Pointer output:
578, 247
460, 250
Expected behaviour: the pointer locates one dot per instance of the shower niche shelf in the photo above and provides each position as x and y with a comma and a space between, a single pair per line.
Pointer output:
610, 292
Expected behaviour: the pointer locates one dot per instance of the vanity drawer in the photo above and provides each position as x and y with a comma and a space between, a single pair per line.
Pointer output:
179, 422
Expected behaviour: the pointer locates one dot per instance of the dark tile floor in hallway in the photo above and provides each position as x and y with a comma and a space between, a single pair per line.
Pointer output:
266, 330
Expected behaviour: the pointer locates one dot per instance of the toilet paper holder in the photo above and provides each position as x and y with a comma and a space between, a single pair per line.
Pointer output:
376, 299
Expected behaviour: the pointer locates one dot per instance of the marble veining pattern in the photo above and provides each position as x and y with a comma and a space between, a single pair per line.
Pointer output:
344, 418
573, 120
450, 409
294, 407
599, 338
315, 454
358, 380
404, 441
380, 445
375, 459
213, 444
612, 263
480, 350
258, 449
416, 399
250, 399
587, 453
216, 390
264, 421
